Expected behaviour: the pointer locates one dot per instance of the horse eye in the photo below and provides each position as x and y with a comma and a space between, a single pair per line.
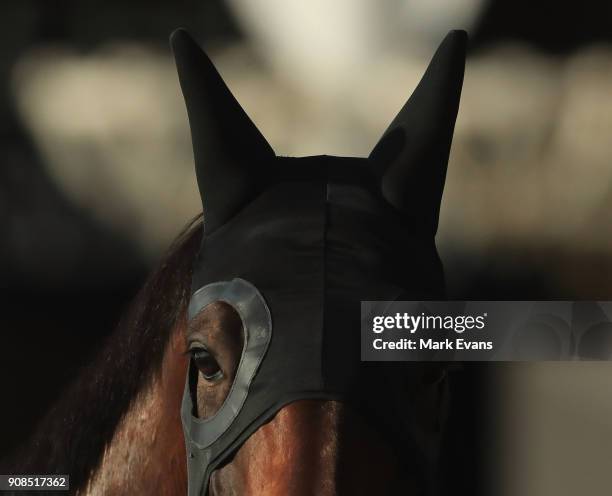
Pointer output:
206, 364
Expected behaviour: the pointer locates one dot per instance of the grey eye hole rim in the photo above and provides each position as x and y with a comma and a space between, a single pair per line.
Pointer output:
256, 318
198, 352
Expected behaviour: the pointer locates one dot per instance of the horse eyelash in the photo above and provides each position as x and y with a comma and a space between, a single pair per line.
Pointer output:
189, 351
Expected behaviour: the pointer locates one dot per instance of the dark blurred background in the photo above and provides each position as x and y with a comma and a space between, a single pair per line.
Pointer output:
96, 180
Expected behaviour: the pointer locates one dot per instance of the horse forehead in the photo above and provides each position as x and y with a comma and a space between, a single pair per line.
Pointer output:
303, 191
316, 202
316, 210
293, 213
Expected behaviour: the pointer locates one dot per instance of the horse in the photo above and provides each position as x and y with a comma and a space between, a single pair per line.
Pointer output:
236, 369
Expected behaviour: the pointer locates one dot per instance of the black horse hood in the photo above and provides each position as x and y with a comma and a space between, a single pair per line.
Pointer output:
294, 244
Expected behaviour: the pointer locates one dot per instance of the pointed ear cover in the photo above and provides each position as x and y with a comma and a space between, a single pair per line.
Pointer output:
230, 153
412, 155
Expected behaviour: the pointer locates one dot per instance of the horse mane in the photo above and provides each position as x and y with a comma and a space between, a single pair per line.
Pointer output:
73, 435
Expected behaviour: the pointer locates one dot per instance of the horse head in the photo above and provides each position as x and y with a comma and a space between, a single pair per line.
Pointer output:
277, 400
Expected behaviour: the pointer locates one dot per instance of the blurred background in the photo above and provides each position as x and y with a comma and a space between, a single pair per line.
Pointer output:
96, 179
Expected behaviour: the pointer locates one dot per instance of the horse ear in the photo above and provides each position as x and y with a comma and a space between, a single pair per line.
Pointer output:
230, 153
412, 154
